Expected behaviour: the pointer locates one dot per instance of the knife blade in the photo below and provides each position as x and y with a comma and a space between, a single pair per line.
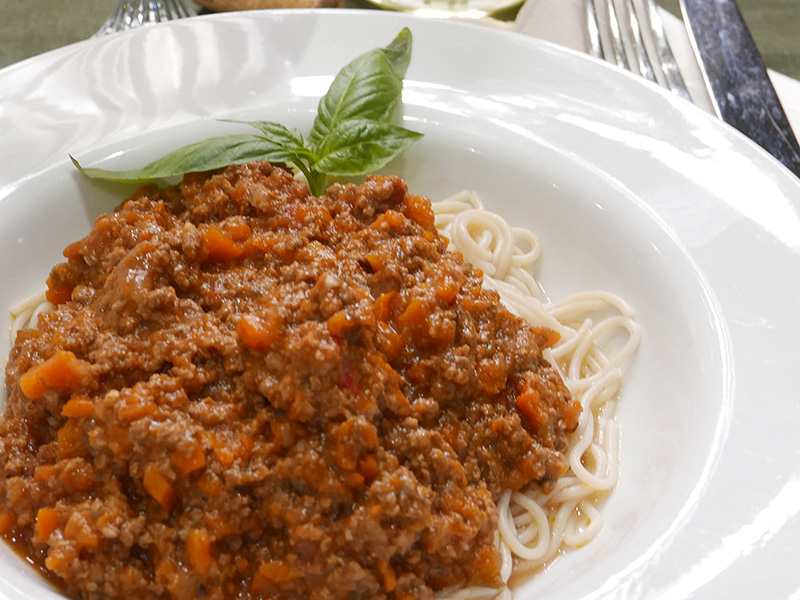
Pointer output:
735, 74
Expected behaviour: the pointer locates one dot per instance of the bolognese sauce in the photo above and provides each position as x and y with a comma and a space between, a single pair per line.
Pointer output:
246, 391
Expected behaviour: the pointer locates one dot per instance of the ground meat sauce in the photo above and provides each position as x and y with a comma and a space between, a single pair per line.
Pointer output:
250, 392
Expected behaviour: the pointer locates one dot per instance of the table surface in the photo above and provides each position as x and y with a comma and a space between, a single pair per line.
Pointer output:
30, 27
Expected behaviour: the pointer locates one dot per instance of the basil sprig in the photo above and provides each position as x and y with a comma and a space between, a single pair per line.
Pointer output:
351, 134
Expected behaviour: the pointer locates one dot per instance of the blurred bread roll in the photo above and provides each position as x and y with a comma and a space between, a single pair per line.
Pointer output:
223, 5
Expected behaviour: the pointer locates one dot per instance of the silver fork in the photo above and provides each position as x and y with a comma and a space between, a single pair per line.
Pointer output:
624, 38
131, 14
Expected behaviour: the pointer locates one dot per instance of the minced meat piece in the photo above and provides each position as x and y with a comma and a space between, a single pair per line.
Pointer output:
249, 392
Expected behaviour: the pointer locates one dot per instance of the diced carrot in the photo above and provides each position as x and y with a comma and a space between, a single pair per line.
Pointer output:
78, 407
417, 373
492, 376
239, 193
57, 560
133, 411
73, 250
259, 333
209, 483
414, 314
62, 371
69, 438
198, 548
486, 563
391, 219
57, 294
250, 248
257, 583
82, 478
189, 460
277, 572
339, 322
46, 523
107, 519
118, 440
528, 406
218, 246
383, 304
368, 466
300, 211
242, 564
390, 342
419, 210
238, 229
44, 473
247, 443
387, 575
224, 456
354, 480
322, 215
375, 262
263, 242
447, 288
546, 337
394, 218
80, 529
166, 569
159, 487
32, 384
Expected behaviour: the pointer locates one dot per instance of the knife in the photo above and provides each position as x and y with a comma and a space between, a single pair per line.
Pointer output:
735, 74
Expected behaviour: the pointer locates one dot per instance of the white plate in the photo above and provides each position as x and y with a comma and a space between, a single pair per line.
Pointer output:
631, 191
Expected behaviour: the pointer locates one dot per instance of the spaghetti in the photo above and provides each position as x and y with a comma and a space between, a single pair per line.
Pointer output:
533, 525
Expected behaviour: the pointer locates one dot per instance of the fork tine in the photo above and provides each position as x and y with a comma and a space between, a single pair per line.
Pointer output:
616, 38
594, 31
669, 66
626, 35
609, 48
635, 31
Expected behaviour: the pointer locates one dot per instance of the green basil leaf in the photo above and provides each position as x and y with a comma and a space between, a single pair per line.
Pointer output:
360, 146
369, 87
350, 135
398, 52
214, 153
288, 138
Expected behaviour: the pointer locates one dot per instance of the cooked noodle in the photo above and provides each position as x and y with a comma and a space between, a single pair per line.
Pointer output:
25, 315
533, 526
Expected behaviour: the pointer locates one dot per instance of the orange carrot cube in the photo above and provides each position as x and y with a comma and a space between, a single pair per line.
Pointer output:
159, 487
198, 548
259, 333
47, 522
218, 246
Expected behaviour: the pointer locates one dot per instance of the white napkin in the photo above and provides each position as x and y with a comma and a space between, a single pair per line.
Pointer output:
564, 22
